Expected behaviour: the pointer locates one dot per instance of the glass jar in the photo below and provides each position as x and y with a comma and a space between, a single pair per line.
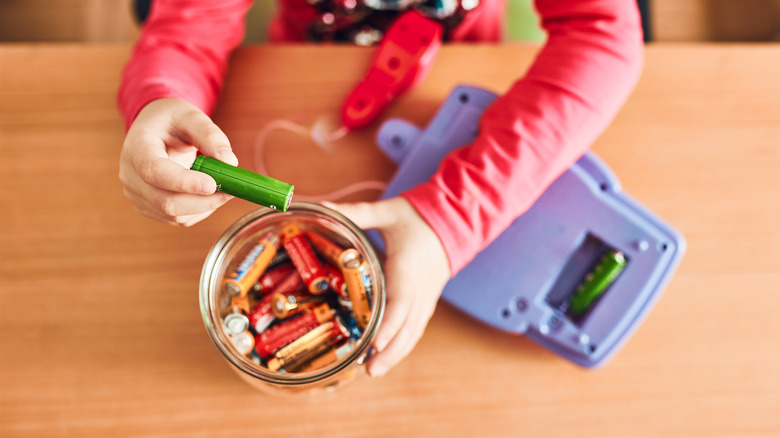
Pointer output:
238, 243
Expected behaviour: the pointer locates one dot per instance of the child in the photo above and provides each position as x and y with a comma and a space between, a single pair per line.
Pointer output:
530, 135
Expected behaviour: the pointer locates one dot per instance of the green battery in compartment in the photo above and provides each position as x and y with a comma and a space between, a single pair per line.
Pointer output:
246, 184
598, 280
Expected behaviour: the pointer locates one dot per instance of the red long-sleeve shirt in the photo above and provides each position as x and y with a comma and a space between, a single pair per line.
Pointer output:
527, 137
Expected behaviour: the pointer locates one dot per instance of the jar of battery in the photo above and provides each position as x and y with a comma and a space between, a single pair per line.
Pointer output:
293, 299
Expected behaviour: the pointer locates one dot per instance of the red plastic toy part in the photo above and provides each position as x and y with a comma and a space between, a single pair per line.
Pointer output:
405, 55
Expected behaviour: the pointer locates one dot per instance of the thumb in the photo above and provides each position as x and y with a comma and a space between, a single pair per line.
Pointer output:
367, 215
197, 129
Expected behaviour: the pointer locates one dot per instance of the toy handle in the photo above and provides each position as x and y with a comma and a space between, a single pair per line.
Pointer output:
405, 56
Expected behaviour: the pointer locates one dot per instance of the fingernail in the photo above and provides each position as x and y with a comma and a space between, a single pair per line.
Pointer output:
227, 155
207, 186
380, 344
377, 371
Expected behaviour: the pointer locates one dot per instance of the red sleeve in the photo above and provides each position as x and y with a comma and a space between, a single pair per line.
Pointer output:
182, 52
541, 126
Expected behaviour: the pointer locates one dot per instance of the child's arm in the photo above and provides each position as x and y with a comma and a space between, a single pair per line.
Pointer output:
170, 83
182, 52
540, 127
528, 137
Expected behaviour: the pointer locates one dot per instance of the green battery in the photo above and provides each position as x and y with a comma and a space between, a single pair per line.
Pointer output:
246, 184
597, 281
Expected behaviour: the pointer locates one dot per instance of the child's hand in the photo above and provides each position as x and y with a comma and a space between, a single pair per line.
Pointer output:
160, 146
416, 271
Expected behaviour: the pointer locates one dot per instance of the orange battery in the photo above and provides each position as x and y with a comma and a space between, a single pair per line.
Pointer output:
288, 304
236, 320
225, 301
244, 276
302, 255
308, 346
358, 281
329, 250
239, 304
276, 337
328, 357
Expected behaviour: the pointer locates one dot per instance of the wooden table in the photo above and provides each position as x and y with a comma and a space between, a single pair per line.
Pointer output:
100, 331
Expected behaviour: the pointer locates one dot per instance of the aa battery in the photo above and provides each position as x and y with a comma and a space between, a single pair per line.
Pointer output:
597, 281
290, 283
246, 184
276, 337
244, 342
261, 316
336, 282
272, 278
236, 320
239, 304
244, 276
330, 251
235, 323
308, 346
302, 255
287, 304
358, 281
280, 258
328, 357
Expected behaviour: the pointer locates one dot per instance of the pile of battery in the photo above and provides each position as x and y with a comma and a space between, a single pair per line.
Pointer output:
294, 300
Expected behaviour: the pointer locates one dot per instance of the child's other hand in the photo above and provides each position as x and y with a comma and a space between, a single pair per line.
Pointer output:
160, 146
416, 271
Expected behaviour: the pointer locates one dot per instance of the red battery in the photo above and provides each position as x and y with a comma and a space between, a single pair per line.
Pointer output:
330, 251
243, 277
308, 346
336, 281
358, 281
276, 337
290, 283
292, 303
273, 277
262, 315
302, 255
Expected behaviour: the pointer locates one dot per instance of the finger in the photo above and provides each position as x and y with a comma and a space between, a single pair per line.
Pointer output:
196, 128
402, 344
170, 204
173, 205
396, 313
164, 174
193, 219
180, 221
399, 304
184, 220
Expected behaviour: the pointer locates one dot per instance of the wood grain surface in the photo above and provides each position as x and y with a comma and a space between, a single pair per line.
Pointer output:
100, 330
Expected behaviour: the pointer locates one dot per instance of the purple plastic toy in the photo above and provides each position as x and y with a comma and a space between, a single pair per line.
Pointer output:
525, 280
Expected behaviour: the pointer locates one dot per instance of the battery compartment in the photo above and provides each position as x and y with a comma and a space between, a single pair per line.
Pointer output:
585, 262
